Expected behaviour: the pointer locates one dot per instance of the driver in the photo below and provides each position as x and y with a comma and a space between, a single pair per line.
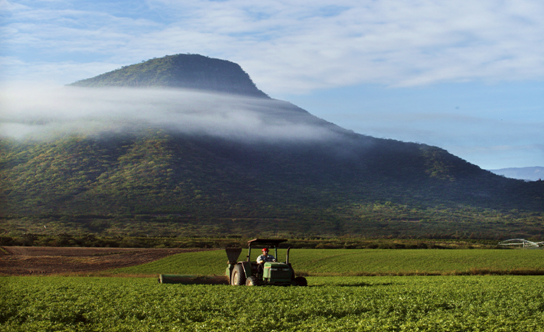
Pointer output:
265, 257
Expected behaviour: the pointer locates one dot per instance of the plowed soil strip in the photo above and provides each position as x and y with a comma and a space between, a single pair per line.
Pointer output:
20, 261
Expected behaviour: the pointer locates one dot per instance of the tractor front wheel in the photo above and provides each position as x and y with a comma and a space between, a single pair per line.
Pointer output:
301, 281
238, 276
252, 281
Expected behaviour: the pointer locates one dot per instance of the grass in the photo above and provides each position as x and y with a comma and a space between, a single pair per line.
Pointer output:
330, 262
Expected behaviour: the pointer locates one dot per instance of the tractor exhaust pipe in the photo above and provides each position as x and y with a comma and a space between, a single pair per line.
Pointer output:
287, 256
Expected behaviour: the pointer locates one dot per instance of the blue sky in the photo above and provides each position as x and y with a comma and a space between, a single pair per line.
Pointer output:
467, 76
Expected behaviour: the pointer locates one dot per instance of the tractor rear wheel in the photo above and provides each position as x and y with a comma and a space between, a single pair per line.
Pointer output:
238, 276
301, 281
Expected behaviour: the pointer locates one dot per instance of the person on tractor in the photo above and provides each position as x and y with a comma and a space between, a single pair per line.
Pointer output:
265, 257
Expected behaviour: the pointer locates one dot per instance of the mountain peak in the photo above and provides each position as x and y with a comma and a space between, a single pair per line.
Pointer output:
189, 71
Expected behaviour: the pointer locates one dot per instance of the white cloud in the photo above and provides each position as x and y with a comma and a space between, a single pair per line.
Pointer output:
43, 112
299, 46
16, 72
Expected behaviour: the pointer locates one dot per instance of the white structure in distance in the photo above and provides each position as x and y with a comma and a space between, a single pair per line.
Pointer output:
522, 243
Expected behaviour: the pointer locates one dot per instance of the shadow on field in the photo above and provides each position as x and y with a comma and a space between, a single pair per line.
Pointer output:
364, 284
356, 284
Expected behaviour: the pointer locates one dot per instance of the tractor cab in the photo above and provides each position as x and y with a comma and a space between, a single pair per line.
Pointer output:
273, 273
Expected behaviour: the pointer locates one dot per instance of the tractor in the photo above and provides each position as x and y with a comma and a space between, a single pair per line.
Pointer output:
274, 273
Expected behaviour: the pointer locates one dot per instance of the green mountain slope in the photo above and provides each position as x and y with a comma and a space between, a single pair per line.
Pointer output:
389, 188
160, 180
189, 71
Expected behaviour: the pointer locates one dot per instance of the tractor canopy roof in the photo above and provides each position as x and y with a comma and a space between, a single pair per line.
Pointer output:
261, 243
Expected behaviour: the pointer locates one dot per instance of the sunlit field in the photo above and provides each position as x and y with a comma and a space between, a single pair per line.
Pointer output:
363, 262
413, 303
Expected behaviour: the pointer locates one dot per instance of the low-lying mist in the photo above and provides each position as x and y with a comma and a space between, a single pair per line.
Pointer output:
46, 112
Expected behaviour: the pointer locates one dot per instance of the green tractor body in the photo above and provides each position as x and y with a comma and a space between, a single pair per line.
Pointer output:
277, 272
273, 273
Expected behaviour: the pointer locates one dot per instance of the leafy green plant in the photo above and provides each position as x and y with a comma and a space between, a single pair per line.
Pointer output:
485, 303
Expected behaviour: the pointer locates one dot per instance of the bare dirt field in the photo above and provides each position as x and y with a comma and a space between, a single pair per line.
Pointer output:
21, 261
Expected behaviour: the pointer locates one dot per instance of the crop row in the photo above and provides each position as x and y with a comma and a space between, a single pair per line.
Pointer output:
361, 262
443, 303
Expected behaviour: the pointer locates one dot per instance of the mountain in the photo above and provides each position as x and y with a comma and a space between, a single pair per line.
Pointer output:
197, 163
189, 71
521, 173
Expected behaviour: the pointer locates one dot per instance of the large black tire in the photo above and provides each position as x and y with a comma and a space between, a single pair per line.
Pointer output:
252, 281
301, 281
238, 276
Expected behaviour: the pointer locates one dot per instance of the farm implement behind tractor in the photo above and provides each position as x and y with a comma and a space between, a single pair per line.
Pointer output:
247, 272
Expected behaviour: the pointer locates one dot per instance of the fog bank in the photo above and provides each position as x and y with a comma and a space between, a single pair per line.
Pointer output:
46, 112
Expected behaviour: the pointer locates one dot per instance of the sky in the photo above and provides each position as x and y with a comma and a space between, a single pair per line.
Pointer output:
467, 76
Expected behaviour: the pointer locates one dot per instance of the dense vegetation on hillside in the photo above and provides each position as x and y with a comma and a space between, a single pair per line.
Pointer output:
164, 183
189, 71
346, 242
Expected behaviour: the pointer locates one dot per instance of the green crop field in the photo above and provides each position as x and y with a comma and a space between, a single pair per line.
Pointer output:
362, 262
437, 303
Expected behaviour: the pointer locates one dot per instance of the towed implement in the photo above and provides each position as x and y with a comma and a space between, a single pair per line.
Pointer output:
192, 279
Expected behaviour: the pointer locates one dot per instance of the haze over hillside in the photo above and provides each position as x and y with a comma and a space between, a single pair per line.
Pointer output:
521, 173
120, 159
